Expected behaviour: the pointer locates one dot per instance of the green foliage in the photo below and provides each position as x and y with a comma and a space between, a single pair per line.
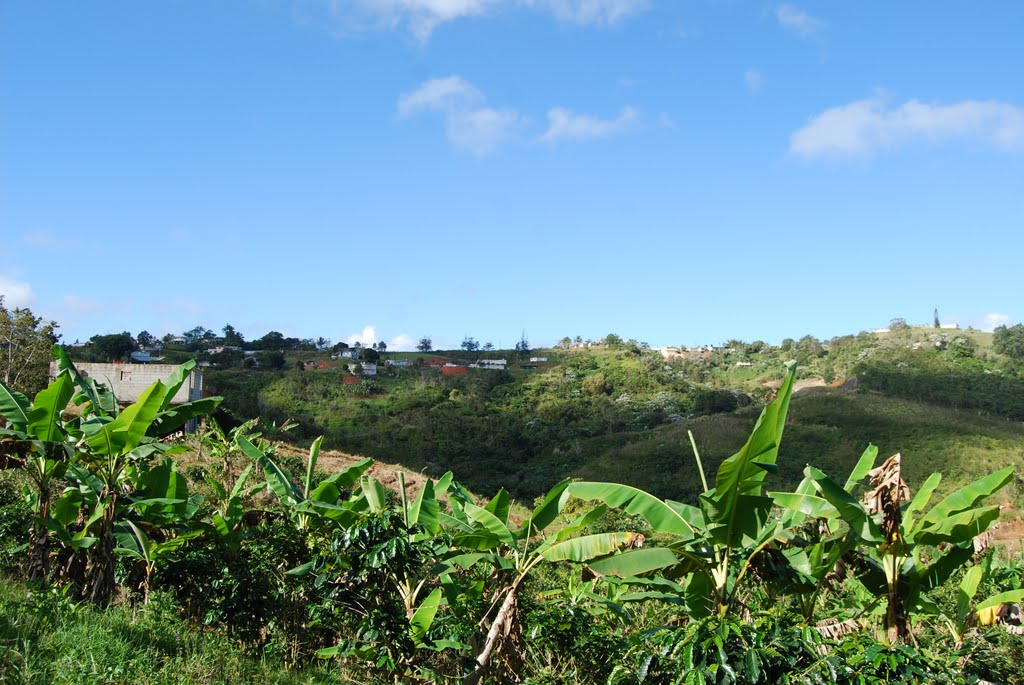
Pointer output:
25, 342
1009, 340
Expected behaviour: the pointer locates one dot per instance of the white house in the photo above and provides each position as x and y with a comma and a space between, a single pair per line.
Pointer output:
538, 359
498, 364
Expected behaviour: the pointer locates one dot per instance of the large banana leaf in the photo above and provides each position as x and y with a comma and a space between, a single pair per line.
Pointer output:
852, 511
490, 523
661, 517
124, 433
100, 398
173, 418
864, 464
588, 547
635, 562
14, 406
744, 472
278, 480
422, 619
967, 497
547, 511
44, 418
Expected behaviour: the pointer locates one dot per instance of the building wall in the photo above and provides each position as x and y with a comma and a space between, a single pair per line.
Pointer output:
128, 381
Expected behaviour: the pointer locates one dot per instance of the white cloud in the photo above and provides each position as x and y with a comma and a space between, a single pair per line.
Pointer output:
468, 123
451, 92
564, 124
78, 305
420, 17
16, 293
48, 239
365, 337
754, 80
666, 121
402, 343
794, 19
423, 17
991, 321
590, 12
862, 127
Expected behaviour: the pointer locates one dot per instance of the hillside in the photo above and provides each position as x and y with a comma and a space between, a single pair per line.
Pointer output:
622, 412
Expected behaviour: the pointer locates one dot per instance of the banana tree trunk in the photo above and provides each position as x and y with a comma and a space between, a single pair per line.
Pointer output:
502, 626
102, 583
39, 551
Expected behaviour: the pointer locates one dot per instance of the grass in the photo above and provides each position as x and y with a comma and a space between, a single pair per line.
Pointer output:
46, 638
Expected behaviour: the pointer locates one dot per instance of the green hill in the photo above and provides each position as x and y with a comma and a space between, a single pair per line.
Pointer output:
622, 412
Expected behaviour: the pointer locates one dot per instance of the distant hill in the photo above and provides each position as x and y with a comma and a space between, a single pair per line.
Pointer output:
621, 412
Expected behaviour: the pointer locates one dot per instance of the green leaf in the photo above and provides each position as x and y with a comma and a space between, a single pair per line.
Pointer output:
967, 497
864, 464
425, 509
852, 511
375, 494
14, 406
126, 432
548, 510
44, 418
635, 562
920, 501
587, 547
423, 618
350, 475
279, 481
965, 593
1008, 597
175, 381
962, 527
499, 506
491, 523
314, 453
661, 517
809, 505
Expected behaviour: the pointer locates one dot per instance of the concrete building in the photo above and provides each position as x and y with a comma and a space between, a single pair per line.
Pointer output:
128, 381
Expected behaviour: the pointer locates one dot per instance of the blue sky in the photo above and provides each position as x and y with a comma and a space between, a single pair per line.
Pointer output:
676, 172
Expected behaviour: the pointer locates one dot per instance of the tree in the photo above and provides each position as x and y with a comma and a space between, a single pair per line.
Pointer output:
612, 341
145, 339
382, 346
272, 359
271, 341
25, 342
113, 347
195, 336
425, 344
898, 324
488, 346
322, 343
371, 355
523, 346
1009, 341
232, 336
469, 344
937, 324
565, 343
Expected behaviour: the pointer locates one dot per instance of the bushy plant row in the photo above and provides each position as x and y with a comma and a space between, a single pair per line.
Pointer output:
852, 581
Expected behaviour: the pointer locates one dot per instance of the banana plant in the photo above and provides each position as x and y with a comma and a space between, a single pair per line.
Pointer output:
812, 540
905, 551
324, 505
134, 543
967, 613
35, 434
711, 546
489, 536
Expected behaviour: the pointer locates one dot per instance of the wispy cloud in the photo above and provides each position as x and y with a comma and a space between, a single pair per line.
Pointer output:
863, 127
754, 80
591, 12
16, 293
78, 305
797, 21
48, 239
422, 17
402, 342
564, 124
990, 322
469, 123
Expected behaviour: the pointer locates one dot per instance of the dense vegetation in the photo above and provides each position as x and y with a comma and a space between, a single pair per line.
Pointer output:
152, 560
621, 411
